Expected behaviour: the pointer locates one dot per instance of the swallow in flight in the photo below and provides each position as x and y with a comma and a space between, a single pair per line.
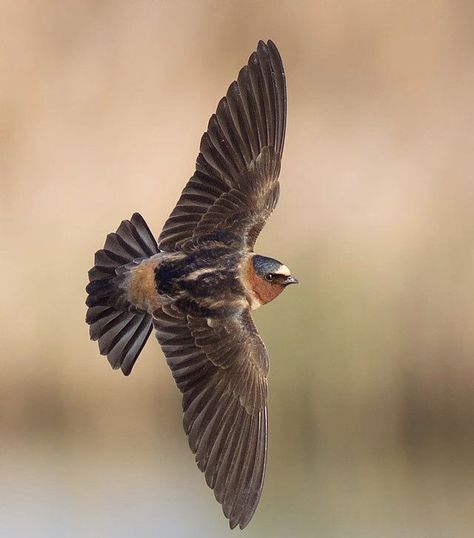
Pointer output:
199, 282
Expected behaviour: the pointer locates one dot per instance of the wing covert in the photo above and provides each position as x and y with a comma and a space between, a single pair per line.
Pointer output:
236, 177
221, 368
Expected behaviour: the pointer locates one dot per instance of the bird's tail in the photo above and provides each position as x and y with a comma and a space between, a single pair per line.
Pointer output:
121, 329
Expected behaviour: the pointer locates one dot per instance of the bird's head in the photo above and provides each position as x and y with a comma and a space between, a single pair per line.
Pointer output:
267, 278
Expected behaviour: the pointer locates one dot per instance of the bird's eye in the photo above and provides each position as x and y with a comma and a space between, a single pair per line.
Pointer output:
269, 276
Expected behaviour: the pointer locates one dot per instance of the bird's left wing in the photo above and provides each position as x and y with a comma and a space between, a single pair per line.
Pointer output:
221, 368
235, 186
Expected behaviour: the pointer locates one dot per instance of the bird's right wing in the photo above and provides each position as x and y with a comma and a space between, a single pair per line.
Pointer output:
221, 368
235, 186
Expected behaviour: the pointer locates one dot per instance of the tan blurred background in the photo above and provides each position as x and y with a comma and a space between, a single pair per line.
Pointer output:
102, 105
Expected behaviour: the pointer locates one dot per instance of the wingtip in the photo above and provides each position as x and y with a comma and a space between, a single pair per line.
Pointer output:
233, 523
262, 46
272, 47
269, 44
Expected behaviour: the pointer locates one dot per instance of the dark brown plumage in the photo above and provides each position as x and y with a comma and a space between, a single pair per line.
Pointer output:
235, 186
197, 285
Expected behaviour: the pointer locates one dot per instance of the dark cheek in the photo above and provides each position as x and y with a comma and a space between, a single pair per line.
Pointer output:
278, 289
267, 291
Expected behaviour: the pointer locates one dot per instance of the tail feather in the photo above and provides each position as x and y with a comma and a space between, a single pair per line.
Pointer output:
120, 329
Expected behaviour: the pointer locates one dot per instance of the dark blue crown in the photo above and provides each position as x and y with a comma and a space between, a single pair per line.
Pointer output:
264, 265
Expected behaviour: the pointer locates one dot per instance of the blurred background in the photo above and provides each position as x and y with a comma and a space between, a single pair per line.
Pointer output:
102, 105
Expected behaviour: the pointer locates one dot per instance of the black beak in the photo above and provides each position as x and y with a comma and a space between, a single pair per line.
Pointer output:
290, 280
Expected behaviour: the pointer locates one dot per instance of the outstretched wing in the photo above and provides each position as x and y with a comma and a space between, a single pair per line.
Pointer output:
235, 187
221, 368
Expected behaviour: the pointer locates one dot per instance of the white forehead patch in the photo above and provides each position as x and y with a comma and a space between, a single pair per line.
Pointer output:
283, 270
